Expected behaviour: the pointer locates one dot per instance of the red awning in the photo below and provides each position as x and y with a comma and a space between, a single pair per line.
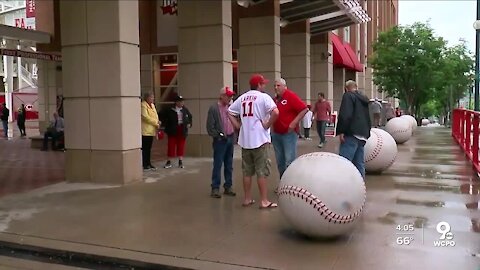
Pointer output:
358, 66
340, 55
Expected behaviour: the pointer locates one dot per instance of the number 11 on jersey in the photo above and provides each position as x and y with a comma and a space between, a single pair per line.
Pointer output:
247, 105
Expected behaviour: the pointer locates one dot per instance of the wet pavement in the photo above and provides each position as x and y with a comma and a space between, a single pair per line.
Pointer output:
170, 218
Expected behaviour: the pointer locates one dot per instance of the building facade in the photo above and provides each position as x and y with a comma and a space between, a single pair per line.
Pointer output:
112, 51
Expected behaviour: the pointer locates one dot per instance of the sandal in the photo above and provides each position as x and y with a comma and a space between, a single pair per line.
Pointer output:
269, 206
248, 203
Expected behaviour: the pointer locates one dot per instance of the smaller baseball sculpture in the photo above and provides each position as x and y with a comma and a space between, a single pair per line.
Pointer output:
322, 195
412, 120
425, 121
400, 129
380, 151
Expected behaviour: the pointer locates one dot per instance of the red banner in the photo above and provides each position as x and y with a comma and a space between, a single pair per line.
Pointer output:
30, 9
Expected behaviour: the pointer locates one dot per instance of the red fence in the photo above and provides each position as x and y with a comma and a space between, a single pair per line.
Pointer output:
465, 130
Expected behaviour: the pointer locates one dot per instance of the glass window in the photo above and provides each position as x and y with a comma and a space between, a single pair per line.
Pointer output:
346, 34
164, 76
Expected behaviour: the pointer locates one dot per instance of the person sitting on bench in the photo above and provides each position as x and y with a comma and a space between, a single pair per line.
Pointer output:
54, 131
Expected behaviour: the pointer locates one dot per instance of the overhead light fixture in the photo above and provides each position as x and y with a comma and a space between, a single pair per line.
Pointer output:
283, 22
243, 3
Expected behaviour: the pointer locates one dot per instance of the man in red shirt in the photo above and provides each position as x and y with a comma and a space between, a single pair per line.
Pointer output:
284, 135
322, 113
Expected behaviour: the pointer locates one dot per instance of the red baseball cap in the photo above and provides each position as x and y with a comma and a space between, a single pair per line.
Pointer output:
257, 79
227, 91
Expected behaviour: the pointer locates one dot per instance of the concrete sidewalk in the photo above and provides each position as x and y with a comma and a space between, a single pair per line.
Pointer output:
170, 218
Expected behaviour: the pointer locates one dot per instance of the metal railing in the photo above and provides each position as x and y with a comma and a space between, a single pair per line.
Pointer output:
465, 130
27, 76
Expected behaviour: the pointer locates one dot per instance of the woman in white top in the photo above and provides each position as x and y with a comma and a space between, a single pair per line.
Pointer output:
307, 123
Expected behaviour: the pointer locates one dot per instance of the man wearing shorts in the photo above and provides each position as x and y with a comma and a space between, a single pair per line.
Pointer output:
257, 112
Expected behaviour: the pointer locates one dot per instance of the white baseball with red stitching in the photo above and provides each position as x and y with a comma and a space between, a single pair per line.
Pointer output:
380, 151
425, 122
322, 194
413, 121
400, 129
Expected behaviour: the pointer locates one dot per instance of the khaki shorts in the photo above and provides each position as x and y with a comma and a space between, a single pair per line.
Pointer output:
256, 161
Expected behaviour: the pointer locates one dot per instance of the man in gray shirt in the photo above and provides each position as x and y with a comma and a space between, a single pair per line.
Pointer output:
221, 130
54, 131
376, 110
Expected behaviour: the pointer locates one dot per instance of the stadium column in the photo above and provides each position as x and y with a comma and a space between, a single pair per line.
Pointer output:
48, 77
101, 79
259, 38
204, 63
371, 37
295, 52
322, 67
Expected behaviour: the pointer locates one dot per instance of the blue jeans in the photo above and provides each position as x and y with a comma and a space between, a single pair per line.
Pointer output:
352, 149
321, 127
5, 127
285, 146
222, 154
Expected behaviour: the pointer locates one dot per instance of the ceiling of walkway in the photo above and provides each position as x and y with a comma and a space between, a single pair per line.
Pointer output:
324, 15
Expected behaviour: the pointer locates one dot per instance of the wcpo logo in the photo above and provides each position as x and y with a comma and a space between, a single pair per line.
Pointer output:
446, 236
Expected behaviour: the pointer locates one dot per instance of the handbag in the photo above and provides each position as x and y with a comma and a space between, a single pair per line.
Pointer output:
160, 135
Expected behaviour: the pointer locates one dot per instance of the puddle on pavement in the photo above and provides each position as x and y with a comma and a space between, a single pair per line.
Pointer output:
425, 174
467, 188
426, 186
431, 203
392, 218
473, 205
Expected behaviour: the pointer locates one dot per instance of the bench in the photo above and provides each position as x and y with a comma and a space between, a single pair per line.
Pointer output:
36, 142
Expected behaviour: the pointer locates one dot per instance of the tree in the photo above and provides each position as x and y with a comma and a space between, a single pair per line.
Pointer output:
457, 77
407, 63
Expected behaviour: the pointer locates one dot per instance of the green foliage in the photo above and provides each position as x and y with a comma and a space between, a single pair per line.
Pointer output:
414, 65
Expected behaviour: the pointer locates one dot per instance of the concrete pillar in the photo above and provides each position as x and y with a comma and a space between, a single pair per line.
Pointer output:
362, 49
146, 74
19, 73
259, 51
339, 79
101, 78
321, 67
8, 73
369, 89
295, 52
205, 63
47, 92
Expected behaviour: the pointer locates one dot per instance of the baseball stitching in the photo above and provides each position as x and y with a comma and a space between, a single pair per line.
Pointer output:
392, 161
376, 150
319, 206
400, 130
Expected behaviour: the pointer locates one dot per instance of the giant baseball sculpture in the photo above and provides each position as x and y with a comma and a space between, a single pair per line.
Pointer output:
400, 129
412, 120
322, 194
380, 151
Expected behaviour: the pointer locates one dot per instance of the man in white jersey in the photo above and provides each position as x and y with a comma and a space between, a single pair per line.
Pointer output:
257, 112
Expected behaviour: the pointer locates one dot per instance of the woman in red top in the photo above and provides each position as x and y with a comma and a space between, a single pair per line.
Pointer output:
398, 112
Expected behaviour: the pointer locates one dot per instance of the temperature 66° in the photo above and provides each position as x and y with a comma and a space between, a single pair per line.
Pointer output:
404, 240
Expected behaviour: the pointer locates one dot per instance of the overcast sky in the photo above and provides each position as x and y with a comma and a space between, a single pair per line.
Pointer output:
452, 19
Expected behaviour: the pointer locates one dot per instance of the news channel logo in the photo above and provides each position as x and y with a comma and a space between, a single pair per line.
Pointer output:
446, 236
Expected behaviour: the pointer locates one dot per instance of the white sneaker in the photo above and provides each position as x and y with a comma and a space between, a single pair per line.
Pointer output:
320, 145
308, 139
